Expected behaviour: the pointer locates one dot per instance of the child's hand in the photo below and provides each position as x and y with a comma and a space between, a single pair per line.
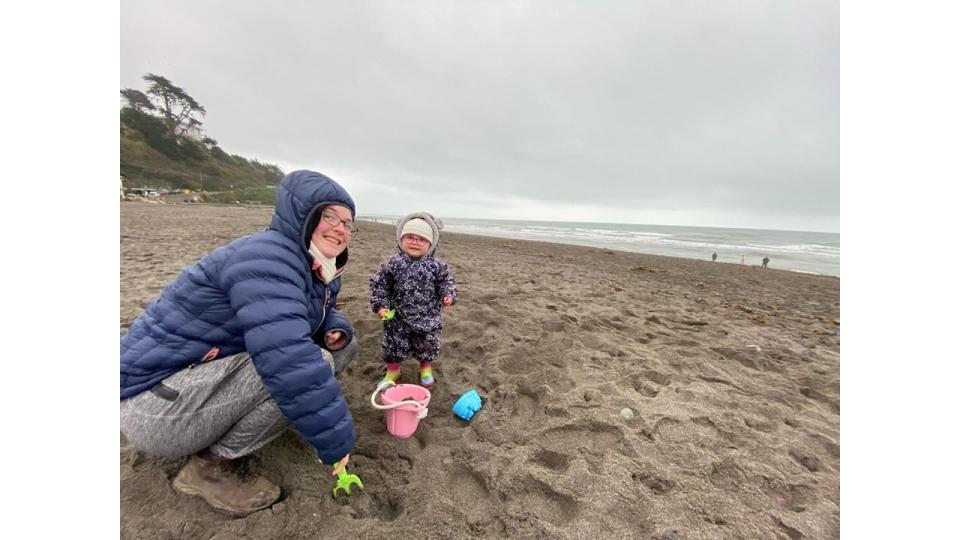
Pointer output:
447, 301
381, 312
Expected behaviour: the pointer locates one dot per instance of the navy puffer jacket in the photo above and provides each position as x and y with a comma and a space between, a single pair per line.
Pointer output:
257, 294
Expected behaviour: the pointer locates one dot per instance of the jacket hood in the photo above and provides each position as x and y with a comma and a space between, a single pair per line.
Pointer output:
300, 197
435, 224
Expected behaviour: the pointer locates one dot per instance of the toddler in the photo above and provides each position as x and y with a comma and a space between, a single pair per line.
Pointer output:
416, 286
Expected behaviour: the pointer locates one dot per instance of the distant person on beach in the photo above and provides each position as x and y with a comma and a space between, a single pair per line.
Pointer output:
416, 286
765, 261
714, 256
244, 343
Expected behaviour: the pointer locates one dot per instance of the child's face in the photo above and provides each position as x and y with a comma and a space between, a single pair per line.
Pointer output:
414, 245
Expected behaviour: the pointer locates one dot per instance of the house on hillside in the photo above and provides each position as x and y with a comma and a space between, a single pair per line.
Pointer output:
144, 192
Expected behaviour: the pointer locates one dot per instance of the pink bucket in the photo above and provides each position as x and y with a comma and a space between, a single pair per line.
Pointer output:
404, 404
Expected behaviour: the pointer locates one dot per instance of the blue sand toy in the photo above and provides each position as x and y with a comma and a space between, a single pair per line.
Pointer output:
467, 405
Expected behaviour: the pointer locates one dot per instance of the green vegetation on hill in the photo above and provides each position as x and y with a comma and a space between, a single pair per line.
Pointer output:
263, 195
162, 145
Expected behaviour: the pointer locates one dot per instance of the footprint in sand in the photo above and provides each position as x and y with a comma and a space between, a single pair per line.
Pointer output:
810, 393
727, 476
646, 338
829, 445
540, 500
761, 424
468, 492
591, 395
748, 357
697, 430
792, 422
382, 506
554, 461
510, 364
525, 406
659, 378
649, 382
795, 497
642, 386
656, 484
569, 439
808, 460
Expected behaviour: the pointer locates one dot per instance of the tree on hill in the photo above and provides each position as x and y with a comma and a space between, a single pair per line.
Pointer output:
163, 144
177, 108
137, 99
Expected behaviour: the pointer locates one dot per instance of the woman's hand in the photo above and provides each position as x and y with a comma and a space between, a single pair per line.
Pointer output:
338, 466
447, 301
382, 312
335, 340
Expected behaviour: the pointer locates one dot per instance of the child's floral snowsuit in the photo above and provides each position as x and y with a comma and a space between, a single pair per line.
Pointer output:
414, 288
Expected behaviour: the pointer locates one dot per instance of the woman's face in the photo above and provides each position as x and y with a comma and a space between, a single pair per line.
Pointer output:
331, 239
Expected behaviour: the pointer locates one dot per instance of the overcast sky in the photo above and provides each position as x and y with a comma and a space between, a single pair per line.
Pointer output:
699, 112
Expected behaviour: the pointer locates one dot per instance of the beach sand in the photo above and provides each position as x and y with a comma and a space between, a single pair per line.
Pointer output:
731, 373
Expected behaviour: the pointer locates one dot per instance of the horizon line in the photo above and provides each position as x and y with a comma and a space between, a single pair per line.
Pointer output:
362, 216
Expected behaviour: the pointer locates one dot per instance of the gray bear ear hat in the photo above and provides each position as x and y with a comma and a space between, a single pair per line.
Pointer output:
435, 224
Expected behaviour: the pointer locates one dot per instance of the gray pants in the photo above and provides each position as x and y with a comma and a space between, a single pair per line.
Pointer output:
220, 405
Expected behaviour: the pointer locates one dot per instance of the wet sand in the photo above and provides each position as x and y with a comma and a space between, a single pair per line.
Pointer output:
730, 375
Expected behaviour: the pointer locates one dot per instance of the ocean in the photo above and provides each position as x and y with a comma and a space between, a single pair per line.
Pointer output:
810, 252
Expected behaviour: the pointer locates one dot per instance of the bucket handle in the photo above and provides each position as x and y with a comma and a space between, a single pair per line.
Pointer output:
421, 413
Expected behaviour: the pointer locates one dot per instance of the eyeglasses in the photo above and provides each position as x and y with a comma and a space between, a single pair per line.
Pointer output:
414, 239
334, 220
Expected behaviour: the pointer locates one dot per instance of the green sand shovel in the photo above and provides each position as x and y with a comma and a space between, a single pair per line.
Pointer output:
389, 315
344, 481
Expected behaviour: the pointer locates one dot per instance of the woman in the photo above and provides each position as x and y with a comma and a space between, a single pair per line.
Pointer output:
244, 343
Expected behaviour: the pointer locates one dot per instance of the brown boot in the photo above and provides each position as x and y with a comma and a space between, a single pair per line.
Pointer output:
225, 490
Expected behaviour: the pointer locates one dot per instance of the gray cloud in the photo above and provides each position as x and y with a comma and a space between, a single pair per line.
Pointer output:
717, 113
